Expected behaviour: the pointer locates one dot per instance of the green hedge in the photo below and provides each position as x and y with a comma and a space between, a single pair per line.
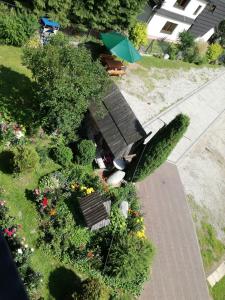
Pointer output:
160, 146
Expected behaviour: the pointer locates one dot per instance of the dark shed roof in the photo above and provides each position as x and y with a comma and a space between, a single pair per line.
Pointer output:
11, 287
208, 19
117, 122
93, 209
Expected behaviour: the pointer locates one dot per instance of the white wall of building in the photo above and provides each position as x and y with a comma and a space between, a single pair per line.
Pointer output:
207, 35
156, 24
189, 9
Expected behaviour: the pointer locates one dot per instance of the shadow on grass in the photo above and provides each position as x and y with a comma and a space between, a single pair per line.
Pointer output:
16, 96
6, 162
63, 283
73, 204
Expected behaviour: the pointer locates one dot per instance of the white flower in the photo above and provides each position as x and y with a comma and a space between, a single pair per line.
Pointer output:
32, 249
20, 251
26, 246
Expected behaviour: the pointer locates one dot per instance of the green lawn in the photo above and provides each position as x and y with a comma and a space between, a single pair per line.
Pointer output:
212, 249
218, 291
16, 98
154, 62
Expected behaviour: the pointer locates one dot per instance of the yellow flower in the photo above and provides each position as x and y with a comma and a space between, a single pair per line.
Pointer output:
89, 190
140, 234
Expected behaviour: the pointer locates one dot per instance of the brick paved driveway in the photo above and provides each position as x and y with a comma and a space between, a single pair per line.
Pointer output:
177, 270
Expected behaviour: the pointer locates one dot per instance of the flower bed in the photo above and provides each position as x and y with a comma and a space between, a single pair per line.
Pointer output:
20, 250
11, 132
63, 232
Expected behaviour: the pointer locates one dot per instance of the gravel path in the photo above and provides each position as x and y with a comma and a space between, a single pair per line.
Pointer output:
149, 92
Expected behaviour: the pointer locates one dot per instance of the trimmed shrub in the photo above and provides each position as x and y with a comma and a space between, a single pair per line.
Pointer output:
160, 146
138, 34
186, 40
25, 158
62, 154
16, 27
214, 52
86, 152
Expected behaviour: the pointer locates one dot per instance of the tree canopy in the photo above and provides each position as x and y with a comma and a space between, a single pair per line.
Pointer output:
67, 80
105, 14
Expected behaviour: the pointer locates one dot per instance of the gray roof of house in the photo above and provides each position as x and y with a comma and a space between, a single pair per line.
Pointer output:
207, 19
117, 122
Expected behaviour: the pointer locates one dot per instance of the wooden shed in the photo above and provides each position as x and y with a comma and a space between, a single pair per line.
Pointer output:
116, 123
96, 210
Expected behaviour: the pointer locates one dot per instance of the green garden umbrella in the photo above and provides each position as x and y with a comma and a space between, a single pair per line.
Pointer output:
120, 46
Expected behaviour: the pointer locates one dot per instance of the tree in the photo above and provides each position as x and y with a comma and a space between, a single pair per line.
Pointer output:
67, 80
160, 146
138, 34
107, 14
57, 10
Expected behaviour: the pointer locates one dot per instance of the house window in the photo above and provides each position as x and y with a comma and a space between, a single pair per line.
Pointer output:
197, 10
181, 4
211, 7
168, 28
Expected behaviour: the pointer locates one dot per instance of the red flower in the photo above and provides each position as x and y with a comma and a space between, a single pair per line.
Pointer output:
44, 202
9, 232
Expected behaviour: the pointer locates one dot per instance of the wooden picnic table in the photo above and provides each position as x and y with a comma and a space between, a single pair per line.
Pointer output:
114, 67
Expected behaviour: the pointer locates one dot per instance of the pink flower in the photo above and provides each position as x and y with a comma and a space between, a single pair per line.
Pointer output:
9, 232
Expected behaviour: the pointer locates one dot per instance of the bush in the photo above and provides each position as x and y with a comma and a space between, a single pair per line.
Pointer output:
191, 55
130, 259
160, 146
138, 34
172, 51
214, 52
25, 158
43, 153
62, 154
16, 27
86, 152
186, 40
202, 47
92, 289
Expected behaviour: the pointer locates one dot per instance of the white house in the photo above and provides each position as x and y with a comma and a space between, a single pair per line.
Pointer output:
168, 18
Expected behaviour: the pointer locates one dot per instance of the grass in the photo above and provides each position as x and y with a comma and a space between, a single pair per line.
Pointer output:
218, 291
10, 57
16, 98
212, 249
155, 62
